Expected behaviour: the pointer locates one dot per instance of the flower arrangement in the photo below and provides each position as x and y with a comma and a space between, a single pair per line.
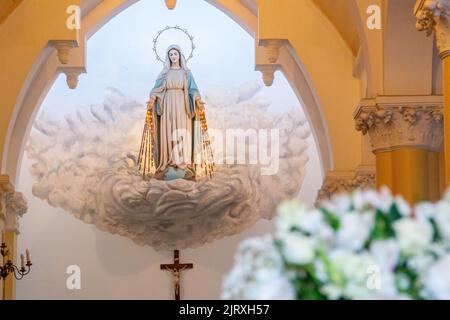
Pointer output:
364, 245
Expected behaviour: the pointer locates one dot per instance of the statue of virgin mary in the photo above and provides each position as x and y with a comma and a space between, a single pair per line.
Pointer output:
177, 123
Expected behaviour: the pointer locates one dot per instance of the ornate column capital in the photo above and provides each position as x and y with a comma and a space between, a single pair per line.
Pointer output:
395, 122
434, 15
16, 207
346, 181
12, 205
5, 187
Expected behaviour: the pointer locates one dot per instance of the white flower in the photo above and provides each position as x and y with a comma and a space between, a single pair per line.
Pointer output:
420, 262
351, 273
332, 291
350, 270
257, 262
437, 279
265, 274
438, 249
402, 206
348, 263
293, 215
277, 288
385, 253
447, 196
319, 268
355, 290
413, 235
258, 253
354, 230
442, 217
326, 235
311, 222
339, 204
298, 249
359, 199
388, 289
289, 216
381, 201
424, 211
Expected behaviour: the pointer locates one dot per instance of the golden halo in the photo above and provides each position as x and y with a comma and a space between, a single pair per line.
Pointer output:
191, 38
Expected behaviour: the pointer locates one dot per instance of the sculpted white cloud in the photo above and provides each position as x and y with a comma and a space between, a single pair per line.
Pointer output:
87, 165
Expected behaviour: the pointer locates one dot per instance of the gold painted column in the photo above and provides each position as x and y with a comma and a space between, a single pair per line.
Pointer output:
406, 137
9, 284
434, 15
13, 207
446, 78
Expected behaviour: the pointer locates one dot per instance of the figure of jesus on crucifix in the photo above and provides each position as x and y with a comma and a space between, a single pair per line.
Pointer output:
176, 268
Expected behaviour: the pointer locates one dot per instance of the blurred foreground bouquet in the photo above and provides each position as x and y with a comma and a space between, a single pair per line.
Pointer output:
364, 245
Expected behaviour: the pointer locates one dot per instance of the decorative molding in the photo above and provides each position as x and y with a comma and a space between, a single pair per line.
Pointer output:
72, 76
396, 122
171, 4
12, 205
16, 206
272, 48
5, 187
434, 15
268, 72
63, 47
346, 181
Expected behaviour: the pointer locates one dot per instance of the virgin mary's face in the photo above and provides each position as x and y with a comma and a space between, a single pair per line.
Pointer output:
174, 56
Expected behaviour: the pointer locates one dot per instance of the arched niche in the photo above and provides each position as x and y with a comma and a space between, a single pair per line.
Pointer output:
96, 14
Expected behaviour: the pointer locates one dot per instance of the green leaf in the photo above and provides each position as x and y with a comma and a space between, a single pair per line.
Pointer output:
383, 227
331, 219
393, 214
436, 233
415, 286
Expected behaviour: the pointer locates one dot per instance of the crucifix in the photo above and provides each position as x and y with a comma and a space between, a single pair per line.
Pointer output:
176, 268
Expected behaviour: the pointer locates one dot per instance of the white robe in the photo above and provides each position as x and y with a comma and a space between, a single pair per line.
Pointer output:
175, 127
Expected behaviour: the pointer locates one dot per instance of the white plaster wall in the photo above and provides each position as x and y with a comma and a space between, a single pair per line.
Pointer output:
113, 267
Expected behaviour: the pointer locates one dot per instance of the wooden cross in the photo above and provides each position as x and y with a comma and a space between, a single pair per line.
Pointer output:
176, 268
